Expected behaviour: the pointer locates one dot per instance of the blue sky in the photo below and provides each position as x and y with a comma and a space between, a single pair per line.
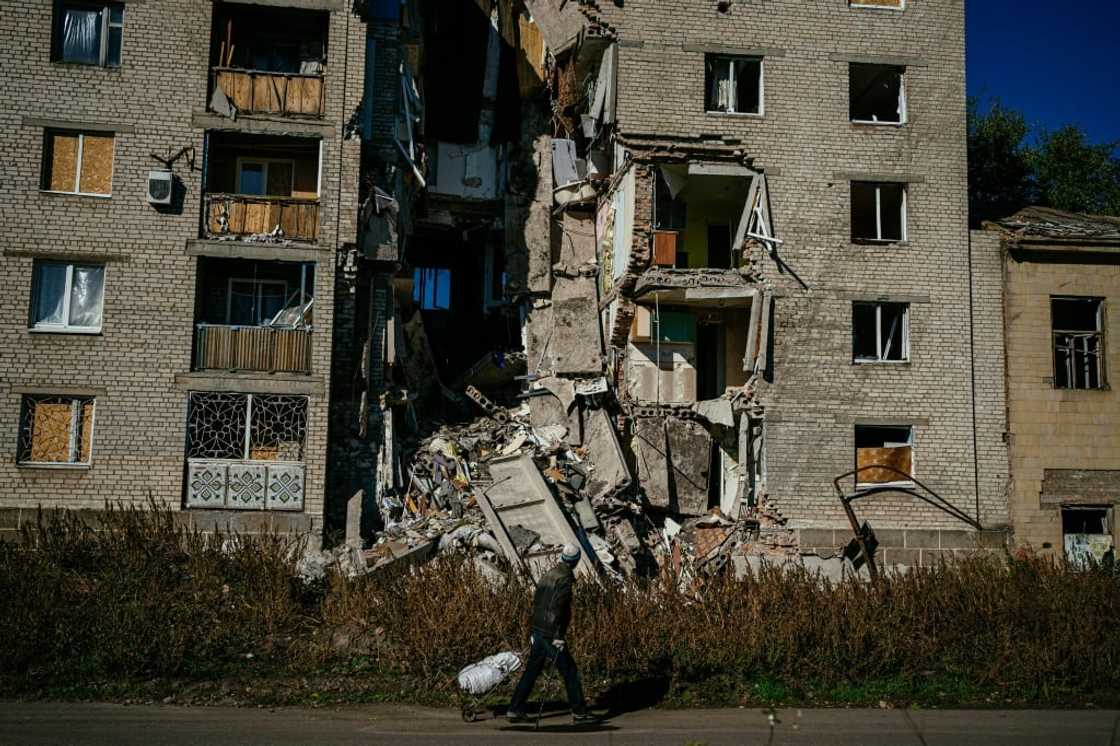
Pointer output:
1058, 63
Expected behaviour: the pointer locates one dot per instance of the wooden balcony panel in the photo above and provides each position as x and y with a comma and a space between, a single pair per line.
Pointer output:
281, 94
256, 348
240, 215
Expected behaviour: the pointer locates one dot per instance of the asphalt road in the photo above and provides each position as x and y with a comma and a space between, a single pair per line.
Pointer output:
153, 724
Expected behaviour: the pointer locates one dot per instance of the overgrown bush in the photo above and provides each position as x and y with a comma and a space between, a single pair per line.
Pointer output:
140, 598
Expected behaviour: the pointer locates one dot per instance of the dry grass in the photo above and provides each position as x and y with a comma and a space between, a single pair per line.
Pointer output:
140, 599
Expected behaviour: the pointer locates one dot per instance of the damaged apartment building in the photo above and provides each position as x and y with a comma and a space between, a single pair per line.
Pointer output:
689, 283
698, 273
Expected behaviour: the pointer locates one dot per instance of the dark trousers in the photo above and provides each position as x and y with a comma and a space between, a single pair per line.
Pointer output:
541, 652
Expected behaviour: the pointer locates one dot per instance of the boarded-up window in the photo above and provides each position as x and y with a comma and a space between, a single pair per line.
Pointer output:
78, 162
884, 454
56, 430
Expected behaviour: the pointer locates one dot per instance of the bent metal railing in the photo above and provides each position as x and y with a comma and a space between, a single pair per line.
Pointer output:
918, 490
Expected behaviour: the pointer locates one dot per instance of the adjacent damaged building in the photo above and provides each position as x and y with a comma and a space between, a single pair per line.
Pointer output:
1061, 279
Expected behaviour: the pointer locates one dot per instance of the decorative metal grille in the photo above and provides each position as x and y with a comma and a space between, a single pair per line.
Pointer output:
255, 427
56, 430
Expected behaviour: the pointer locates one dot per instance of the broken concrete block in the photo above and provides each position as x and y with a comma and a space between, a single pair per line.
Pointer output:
576, 347
611, 472
689, 449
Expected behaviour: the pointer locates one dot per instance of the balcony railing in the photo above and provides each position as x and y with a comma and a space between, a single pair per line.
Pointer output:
290, 218
262, 92
260, 348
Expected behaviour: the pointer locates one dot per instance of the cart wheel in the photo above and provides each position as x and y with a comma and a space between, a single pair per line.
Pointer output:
469, 713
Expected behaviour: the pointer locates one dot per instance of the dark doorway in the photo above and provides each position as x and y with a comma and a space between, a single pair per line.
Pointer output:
708, 363
719, 246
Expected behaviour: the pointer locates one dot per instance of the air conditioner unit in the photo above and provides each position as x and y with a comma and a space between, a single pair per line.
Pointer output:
159, 187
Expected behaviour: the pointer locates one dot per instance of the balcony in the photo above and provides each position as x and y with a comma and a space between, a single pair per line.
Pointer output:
240, 216
254, 316
268, 60
259, 348
266, 92
261, 188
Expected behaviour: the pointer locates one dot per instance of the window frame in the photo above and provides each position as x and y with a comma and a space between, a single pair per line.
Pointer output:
258, 284
245, 425
48, 162
266, 163
1099, 334
730, 59
66, 327
75, 446
419, 287
107, 24
880, 360
911, 443
904, 213
903, 99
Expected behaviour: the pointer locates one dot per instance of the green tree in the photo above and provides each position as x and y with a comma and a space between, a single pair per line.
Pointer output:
1072, 174
1000, 178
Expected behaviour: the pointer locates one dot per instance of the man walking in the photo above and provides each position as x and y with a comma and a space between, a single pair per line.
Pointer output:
552, 611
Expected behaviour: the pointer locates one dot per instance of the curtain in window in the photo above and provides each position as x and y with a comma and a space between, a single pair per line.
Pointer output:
86, 292
719, 95
81, 35
50, 293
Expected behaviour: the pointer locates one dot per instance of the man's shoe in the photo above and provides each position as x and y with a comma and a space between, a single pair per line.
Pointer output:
585, 718
516, 717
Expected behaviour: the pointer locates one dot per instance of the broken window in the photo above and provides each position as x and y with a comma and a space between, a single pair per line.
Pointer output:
253, 427
78, 162
884, 454
265, 177
67, 297
1086, 533
880, 332
88, 33
877, 94
733, 84
56, 430
1078, 356
431, 288
878, 211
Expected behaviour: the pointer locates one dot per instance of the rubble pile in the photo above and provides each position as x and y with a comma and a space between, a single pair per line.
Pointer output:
510, 494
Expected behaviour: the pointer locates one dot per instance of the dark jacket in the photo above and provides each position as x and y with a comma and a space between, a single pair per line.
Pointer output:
552, 602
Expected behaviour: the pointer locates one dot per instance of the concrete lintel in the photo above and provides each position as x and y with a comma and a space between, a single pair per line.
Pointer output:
71, 124
878, 176
849, 419
68, 256
710, 168
265, 126
329, 5
48, 390
737, 51
881, 297
879, 59
254, 250
249, 383
719, 293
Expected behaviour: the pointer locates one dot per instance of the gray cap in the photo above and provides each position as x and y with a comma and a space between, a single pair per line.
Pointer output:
570, 554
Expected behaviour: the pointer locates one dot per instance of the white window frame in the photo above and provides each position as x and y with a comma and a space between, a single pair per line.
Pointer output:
258, 284
881, 352
65, 327
50, 134
730, 60
265, 163
1100, 355
886, 444
903, 101
75, 446
904, 209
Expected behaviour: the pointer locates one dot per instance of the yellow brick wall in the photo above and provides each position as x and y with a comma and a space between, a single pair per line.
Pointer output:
1054, 428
